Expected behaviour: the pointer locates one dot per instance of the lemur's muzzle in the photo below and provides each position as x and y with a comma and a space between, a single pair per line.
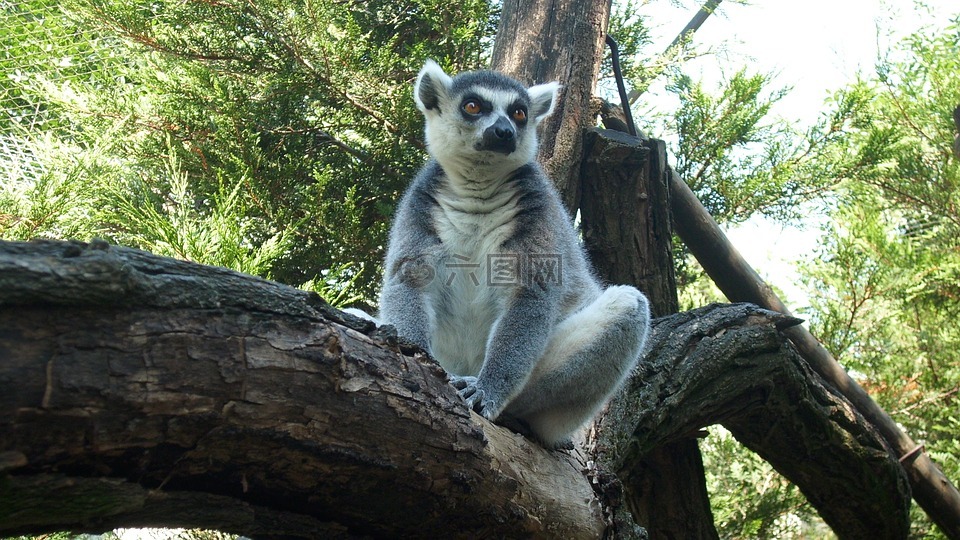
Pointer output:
500, 137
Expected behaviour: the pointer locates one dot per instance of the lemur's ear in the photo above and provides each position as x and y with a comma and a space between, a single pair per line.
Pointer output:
543, 97
432, 85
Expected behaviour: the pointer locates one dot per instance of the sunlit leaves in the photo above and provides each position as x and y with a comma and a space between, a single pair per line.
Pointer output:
886, 287
736, 159
289, 122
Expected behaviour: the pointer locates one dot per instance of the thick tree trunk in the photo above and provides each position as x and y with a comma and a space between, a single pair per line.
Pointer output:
556, 40
138, 390
625, 214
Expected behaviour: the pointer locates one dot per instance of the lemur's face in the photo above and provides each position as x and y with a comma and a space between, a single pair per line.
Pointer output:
482, 121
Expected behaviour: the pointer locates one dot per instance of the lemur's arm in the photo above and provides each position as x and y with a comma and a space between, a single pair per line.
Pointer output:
517, 342
403, 307
410, 270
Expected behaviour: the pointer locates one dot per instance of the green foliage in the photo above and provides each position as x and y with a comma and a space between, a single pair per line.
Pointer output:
696, 289
271, 137
51, 204
886, 286
632, 34
749, 499
736, 159
214, 230
337, 285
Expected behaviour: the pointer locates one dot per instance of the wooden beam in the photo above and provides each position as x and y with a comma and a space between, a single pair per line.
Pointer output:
741, 283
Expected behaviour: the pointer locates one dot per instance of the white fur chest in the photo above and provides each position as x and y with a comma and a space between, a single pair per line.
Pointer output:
473, 224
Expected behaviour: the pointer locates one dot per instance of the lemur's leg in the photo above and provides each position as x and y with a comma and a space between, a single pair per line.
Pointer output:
588, 356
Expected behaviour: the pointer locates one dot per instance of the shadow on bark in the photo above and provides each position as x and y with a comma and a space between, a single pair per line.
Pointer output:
137, 390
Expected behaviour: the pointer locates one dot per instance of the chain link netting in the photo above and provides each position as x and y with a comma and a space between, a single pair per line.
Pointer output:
45, 54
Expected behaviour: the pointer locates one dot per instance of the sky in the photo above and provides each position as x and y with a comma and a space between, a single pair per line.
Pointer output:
815, 47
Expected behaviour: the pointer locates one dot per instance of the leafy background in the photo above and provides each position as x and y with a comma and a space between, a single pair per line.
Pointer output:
276, 137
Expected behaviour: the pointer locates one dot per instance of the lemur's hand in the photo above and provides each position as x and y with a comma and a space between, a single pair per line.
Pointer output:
469, 389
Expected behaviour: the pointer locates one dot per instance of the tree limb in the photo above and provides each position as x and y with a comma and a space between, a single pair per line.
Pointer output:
149, 391
741, 283
139, 390
729, 364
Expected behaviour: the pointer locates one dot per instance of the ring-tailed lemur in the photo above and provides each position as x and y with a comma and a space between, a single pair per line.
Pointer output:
485, 271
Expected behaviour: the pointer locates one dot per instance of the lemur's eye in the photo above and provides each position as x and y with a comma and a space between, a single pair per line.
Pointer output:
471, 107
519, 115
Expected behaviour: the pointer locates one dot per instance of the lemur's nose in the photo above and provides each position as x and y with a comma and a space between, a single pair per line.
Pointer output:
500, 137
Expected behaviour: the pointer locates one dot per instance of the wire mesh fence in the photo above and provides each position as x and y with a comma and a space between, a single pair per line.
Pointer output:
45, 54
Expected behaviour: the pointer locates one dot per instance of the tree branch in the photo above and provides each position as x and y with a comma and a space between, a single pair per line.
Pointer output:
741, 283
139, 390
152, 391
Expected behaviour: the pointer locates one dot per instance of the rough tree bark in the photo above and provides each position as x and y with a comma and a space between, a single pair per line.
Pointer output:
556, 40
625, 216
138, 390
739, 282
770, 406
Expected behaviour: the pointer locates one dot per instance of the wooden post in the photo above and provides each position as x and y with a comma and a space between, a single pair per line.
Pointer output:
625, 217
